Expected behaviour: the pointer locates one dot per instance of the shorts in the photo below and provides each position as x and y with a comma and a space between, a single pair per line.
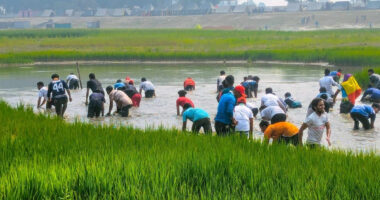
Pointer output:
223, 129
136, 98
60, 102
205, 123
149, 93
124, 111
49, 104
73, 84
289, 140
94, 109
280, 117
189, 87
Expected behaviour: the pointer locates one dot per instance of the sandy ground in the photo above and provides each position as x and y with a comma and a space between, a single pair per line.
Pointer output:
264, 21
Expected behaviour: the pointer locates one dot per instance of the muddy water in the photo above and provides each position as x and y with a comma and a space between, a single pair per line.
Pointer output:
17, 84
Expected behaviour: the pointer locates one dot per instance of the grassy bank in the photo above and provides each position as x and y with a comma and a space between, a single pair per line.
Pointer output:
53, 159
362, 77
340, 47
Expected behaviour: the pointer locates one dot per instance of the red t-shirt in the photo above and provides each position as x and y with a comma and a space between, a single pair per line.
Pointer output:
189, 81
184, 100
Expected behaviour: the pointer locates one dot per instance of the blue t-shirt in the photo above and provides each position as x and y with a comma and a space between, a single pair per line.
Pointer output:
57, 88
374, 92
365, 110
225, 108
118, 85
333, 73
194, 114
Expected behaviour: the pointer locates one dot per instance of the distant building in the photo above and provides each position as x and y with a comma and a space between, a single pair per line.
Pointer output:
101, 12
118, 12
223, 9
22, 25
69, 12
25, 13
314, 6
293, 7
341, 5
373, 5
48, 13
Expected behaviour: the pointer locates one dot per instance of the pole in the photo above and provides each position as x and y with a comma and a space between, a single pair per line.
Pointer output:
80, 80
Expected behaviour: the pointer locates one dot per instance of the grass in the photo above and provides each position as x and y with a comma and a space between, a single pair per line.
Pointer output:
46, 158
362, 77
340, 47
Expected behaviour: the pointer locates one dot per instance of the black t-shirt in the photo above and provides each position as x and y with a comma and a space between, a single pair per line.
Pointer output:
95, 85
130, 90
57, 88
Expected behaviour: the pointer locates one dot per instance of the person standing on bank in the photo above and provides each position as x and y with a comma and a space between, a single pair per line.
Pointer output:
317, 122
148, 88
199, 117
57, 94
94, 85
219, 85
123, 102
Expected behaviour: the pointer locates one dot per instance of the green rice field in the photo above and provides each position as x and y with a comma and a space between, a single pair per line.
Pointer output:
46, 158
339, 47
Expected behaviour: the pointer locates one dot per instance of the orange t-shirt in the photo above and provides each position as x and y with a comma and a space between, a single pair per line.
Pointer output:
189, 81
280, 129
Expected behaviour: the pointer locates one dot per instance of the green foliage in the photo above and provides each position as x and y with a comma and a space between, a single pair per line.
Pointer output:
46, 158
362, 77
340, 47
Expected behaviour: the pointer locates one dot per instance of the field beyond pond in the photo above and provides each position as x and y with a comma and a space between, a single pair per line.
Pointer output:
339, 47
47, 158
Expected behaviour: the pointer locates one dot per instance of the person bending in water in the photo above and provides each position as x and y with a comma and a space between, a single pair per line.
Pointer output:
273, 114
199, 117
336, 75
42, 93
291, 102
270, 99
363, 113
57, 94
189, 84
94, 85
243, 116
96, 105
317, 122
219, 86
182, 100
281, 132
374, 79
123, 102
148, 88
327, 82
119, 85
371, 94
72, 81
132, 93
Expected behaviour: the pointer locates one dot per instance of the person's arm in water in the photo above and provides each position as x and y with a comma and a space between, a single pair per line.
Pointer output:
102, 109
111, 106
366, 93
251, 127
373, 117
177, 109
328, 133
282, 106
39, 104
87, 93
335, 95
184, 126
300, 133
69, 93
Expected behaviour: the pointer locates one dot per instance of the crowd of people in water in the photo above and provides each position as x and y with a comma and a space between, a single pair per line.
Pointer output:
234, 113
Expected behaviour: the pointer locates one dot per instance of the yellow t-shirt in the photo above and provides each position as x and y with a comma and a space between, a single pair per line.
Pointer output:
279, 129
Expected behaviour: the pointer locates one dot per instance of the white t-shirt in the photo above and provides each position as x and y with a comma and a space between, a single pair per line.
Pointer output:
221, 79
316, 125
242, 114
43, 92
146, 85
271, 111
270, 100
71, 76
250, 105
328, 82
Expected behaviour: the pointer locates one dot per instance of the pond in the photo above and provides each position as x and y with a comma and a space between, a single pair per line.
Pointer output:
18, 85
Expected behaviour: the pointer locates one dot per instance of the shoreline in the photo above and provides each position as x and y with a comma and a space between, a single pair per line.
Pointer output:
168, 62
